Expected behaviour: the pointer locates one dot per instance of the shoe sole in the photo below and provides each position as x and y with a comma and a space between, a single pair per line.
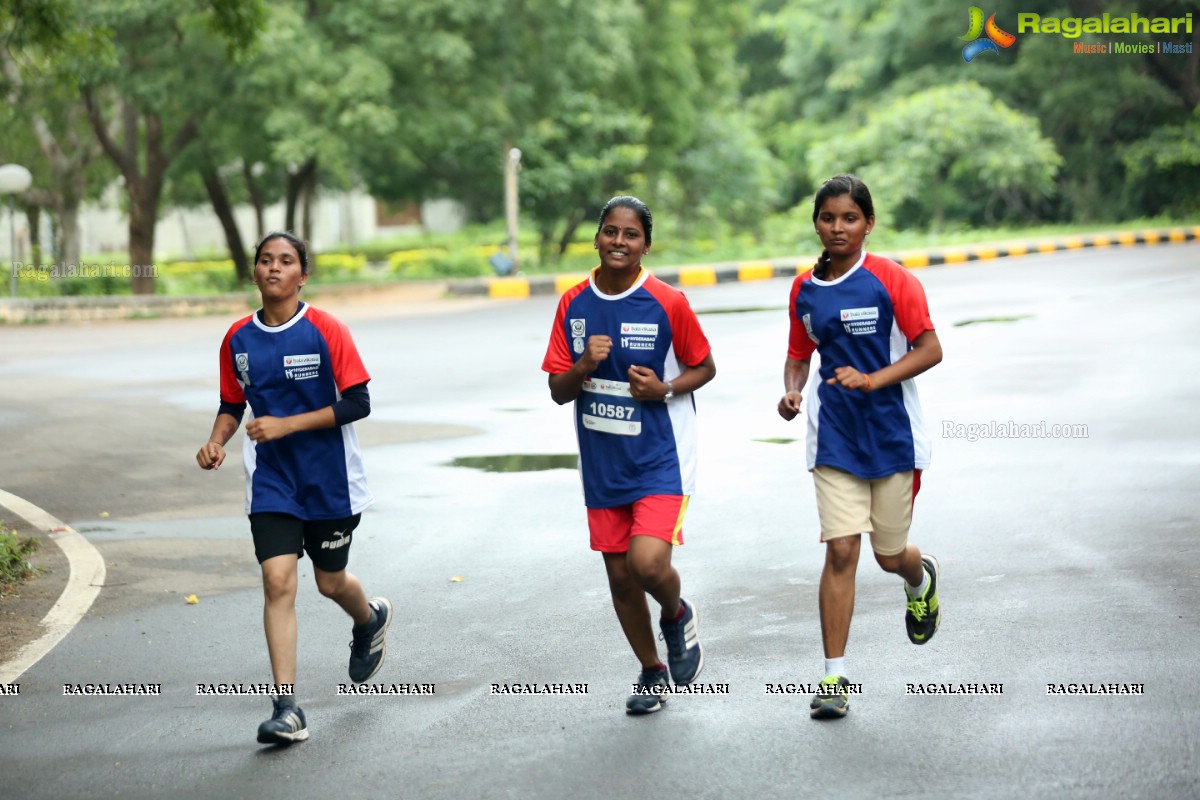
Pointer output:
825, 711
937, 585
387, 623
283, 738
700, 666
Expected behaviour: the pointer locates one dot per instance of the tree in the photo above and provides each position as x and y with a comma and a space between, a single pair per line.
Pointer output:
952, 151
146, 107
42, 99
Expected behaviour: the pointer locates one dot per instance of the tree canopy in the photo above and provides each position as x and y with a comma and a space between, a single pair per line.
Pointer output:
722, 112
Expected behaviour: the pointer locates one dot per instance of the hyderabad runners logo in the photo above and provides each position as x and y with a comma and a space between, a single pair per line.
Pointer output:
996, 38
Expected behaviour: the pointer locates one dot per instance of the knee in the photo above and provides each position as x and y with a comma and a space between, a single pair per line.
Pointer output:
279, 585
649, 570
889, 563
842, 554
330, 584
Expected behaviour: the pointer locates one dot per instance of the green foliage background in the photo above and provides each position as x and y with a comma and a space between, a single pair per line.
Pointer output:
724, 115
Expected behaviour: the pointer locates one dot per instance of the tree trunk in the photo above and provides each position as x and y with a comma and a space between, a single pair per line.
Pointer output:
68, 233
143, 187
224, 210
573, 222
33, 215
306, 204
256, 198
143, 213
296, 182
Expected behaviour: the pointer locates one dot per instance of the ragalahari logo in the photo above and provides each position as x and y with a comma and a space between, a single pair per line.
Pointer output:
996, 38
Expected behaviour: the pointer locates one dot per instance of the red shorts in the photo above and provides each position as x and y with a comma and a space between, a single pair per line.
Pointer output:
657, 515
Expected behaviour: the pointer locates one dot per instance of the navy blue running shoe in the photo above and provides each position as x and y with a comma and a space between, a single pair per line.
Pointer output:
369, 646
649, 692
286, 725
685, 655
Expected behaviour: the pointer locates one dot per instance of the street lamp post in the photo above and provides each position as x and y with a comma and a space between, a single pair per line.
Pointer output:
14, 179
511, 164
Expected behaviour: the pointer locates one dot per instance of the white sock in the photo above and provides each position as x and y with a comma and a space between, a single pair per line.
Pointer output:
918, 591
835, 666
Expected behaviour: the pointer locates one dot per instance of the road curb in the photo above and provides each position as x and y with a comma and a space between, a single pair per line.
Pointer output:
519, 288
83, 585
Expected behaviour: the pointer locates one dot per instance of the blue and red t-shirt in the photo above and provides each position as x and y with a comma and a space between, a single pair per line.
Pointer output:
629, 449
300, 366
866, 319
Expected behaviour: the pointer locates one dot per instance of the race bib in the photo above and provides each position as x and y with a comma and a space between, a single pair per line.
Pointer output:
608, 407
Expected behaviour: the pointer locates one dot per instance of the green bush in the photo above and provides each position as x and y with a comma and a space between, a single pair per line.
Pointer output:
14, 558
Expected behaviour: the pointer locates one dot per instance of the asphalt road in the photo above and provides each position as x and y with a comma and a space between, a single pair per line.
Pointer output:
1065, 561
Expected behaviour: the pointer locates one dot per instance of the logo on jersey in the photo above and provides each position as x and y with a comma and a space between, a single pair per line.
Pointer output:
860, 321
578, 330
302, 367
242, 363
639, 335
807, 320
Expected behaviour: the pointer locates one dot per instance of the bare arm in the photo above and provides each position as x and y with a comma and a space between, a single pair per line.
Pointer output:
795, 375
212, 454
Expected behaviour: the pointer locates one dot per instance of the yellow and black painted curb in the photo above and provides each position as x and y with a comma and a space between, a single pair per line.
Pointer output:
521, 287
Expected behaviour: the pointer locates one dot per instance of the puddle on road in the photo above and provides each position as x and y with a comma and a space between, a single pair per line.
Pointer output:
517, 462
978, 320
776, 440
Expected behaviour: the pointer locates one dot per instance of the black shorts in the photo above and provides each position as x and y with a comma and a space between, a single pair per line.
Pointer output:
326, 540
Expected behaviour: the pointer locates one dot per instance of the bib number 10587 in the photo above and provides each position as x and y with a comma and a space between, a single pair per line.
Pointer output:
610, 410
607, 407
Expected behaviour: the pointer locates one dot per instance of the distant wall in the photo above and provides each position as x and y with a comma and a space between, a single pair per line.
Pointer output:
340, 220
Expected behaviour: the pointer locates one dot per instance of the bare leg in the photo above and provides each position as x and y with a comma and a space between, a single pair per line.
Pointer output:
649, 561
279, 616
345, 590
629, 600
907, 564
836, 596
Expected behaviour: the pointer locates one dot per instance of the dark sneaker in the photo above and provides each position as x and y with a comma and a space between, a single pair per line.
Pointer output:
685, 656
368, 648
648, 695
832, 701
923, 615
286, 724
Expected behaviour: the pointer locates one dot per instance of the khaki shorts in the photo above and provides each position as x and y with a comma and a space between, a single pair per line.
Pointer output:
849, 505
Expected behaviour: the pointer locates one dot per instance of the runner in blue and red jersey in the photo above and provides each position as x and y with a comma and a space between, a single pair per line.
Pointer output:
628, 349
867, 319
300, 373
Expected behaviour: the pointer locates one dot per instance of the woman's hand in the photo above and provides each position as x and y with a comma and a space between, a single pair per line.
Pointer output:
268, 429
211, 455
789, 405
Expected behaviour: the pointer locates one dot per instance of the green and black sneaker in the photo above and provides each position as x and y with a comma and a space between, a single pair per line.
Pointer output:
923, 615
833, 699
